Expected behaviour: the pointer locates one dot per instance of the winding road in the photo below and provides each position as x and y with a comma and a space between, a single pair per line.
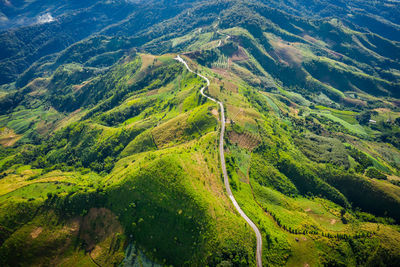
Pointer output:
223, 166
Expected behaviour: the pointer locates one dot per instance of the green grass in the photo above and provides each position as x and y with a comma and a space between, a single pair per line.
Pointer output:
354, 128
272, 104
153, 178
346, 115
243, 158
302, 251
25, 121
143, 142
295, 97
37, 191
276, 249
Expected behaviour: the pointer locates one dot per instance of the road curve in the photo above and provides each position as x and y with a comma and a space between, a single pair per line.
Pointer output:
223, 166
226, 39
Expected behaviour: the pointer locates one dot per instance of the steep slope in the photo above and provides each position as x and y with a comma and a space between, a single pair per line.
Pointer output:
134, 187
223, 165
110, 150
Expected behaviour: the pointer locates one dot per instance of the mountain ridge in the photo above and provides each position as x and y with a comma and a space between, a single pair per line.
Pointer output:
110, 148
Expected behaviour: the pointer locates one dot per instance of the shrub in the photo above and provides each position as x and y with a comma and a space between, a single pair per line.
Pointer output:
267, 175
371, 172
363, 193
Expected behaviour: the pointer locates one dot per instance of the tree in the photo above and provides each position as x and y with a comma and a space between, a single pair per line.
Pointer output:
372, 172
364, 117
397, 121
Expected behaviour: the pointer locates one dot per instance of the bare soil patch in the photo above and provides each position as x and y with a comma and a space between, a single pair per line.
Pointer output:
239, 55
147, 60
244, 140
394, 177
355, 102
96, 252
214, 111
310, 39
97, 225
8, 137
223, 72
383, 110
231, 87
152, 92
38, 86
287, 53
36, 232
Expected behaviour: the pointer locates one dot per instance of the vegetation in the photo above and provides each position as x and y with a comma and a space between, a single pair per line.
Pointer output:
109, 153
371, 172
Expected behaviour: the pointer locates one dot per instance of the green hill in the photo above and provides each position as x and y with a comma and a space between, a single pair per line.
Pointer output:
109, 152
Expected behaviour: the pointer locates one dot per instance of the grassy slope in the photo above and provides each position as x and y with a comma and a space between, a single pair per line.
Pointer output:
162, 185
165, 192
296, 214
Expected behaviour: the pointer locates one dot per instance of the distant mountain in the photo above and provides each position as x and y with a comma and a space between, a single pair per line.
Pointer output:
26, 13
43, 35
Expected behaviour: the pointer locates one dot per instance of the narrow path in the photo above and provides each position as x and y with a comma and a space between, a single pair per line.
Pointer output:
226, 38
223, 166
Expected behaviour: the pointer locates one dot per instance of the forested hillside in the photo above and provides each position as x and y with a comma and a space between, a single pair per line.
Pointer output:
109, 151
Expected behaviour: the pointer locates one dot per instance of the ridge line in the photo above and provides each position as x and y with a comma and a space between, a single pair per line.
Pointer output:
223, 166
